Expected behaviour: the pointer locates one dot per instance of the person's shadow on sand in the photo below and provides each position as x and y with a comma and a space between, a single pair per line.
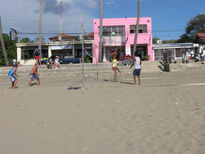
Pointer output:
73, 88
33, 84
119, 82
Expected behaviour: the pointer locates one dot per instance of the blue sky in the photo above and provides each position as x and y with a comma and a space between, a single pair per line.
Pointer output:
169, 17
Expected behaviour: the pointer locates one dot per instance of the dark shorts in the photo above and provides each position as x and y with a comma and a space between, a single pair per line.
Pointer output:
136, 72
37, 57
12, 78
34, 77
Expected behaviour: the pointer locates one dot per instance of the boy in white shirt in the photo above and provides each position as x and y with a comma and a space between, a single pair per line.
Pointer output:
137, 68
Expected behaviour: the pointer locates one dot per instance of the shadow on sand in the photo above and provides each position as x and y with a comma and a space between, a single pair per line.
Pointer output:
33, 84
74, 88
128, 83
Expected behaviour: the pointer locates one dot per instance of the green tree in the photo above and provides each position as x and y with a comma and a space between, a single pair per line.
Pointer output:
10, 50
154, 40
194, 26
169, 41
25, 40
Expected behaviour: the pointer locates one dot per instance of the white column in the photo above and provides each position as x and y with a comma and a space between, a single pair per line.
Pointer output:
49, 52
175, 54
128, 50
18, 53
104, 57
153, 56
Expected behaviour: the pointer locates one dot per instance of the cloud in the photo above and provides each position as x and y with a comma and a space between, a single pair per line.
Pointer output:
24, 16
109, 2
91, 4
52, 6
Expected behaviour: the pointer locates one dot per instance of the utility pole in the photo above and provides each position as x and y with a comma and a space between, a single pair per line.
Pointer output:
137, 28
83, 68
2, 44
61, 18
40, 27
101, 31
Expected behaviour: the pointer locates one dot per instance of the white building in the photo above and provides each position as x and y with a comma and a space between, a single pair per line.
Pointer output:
69, 47
175, 50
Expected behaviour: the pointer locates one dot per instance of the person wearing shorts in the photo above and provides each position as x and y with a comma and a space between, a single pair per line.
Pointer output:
34, 75
137, 69
114, 63
13, 76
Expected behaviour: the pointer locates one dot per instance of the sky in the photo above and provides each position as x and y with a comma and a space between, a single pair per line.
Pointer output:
169, 17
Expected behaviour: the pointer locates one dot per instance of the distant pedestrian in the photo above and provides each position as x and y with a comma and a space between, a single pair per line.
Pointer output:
137, 68
57, 63
37, 56
14, 61
34, 75
13, 76
49, 63
114, 63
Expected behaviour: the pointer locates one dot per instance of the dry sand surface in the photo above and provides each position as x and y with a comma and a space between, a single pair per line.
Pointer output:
164, 115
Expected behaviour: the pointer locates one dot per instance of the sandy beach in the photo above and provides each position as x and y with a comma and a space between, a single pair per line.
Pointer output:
164, 115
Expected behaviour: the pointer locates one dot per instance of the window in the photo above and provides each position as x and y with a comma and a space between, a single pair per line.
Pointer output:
158, 54
70, 53
179, 52
141, 28
107, 31
114, 31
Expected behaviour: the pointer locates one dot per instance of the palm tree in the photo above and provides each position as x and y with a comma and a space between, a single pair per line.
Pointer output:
2, 44
40, 27
101, 31
136, 29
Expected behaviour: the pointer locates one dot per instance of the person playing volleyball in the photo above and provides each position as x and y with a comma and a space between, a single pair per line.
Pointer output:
13, 76
114, 63
137, 68
34, 75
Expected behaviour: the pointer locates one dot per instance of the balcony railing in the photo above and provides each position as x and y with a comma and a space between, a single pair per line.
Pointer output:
113, 40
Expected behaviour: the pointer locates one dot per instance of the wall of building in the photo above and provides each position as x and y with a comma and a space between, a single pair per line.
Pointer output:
175, 50
72, 49
143, 38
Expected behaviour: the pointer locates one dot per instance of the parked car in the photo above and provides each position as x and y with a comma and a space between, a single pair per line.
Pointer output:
62, 60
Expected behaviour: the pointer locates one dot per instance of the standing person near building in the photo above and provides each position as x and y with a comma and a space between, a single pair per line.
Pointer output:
14, 61
37, 55
13, 76
137, 68
34, 75
49, 63
114, 63
57, 63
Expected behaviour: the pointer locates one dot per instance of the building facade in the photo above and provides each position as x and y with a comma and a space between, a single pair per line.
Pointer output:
68, 46
120, 33
174, 50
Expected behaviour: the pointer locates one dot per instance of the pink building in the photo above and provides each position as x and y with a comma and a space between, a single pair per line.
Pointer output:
120, 33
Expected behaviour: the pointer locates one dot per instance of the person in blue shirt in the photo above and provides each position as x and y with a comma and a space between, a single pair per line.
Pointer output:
13, 76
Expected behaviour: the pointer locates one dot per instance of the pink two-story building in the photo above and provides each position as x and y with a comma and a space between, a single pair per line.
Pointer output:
120, 33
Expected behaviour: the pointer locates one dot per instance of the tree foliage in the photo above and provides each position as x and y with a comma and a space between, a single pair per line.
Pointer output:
194, 26
169, 41
25, 40
154, 40
10, 50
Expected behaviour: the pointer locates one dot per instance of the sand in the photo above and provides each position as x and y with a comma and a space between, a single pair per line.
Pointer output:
164, 115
